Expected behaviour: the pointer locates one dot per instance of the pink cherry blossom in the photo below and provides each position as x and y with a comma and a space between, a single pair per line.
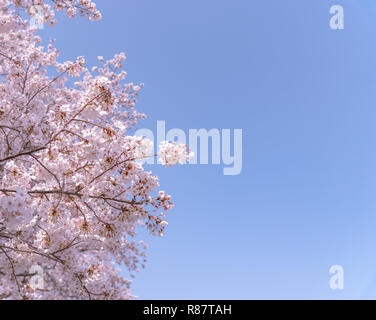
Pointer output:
172, 153
72, 191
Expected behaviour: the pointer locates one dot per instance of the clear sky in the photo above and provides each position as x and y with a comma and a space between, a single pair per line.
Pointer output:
305, 98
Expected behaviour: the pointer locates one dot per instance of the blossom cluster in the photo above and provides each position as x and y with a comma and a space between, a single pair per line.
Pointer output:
72, 191
172, 153
15, 212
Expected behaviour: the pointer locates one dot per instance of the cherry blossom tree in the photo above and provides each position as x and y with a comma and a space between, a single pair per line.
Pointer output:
72, 193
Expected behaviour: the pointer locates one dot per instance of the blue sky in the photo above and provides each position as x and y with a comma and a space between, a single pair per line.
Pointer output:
303, 95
